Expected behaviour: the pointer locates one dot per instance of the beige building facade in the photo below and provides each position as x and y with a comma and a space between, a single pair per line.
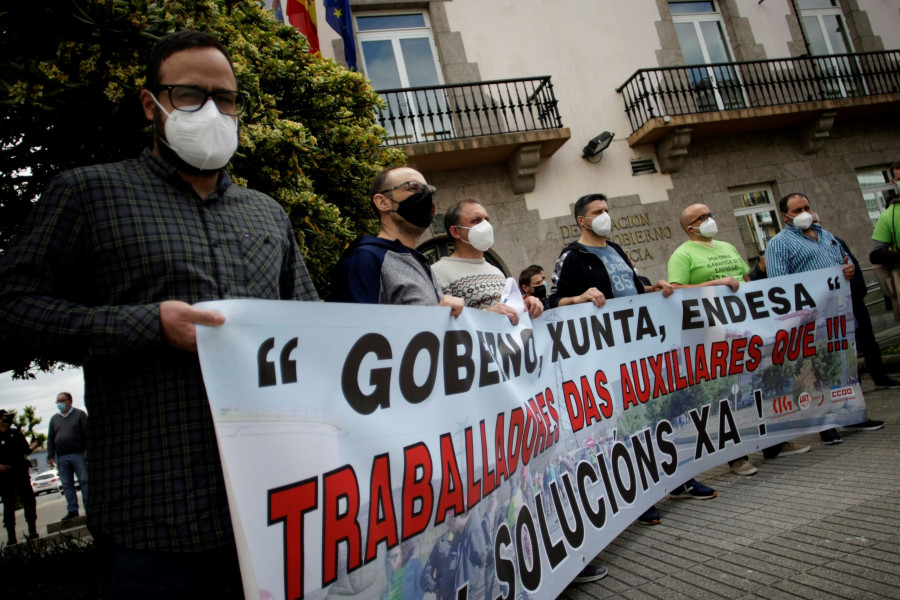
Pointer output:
733, 103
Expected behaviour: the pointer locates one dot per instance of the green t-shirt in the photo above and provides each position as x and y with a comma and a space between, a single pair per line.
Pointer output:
884, 228
693, 263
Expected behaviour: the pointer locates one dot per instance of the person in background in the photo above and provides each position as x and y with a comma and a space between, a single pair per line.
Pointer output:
864, 333
759, 271
532, 283
404, 573
14, 478
66, 441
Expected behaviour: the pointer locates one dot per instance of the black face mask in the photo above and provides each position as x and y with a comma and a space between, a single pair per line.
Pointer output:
540, 291
418, 208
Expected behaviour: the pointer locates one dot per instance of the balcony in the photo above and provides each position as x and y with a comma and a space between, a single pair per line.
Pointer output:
670, 105
443, 127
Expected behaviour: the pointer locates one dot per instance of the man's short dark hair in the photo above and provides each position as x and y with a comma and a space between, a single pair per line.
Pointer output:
451, 217
895, 166
66, 394
176, 42
529, 272
782, 204
379, 184
583, 202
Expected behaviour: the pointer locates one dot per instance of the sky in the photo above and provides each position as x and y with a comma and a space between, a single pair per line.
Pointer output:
41, 393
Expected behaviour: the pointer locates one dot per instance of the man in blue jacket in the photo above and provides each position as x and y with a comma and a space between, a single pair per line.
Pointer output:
386, 268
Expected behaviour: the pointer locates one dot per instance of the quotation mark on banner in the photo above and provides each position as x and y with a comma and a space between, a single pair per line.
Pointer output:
837, 333
266, 367
834, 283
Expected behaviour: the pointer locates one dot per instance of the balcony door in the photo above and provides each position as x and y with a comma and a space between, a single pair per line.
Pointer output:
398, 52
826, 30
757, 218
703, 41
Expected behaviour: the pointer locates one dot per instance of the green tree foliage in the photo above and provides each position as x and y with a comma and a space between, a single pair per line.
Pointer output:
69, 93
71, 77
26, 421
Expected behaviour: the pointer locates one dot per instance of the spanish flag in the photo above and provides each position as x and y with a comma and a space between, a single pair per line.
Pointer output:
302, 15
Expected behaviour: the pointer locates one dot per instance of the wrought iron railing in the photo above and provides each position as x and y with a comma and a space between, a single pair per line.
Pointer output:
444, 112
671, 91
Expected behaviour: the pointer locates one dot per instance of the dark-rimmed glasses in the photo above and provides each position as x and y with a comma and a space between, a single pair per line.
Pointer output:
413, 187
190, 98
703, 218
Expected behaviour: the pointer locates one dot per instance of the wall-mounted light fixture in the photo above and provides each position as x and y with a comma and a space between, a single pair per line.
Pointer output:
593, 152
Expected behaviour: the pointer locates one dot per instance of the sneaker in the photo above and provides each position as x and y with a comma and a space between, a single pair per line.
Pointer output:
650, 517
790, 448
743, 467
867, 425
69, 516
830, 437
693, 489
886, 382
592, 572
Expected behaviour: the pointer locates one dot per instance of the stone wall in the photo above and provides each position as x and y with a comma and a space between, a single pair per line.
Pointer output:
649, 232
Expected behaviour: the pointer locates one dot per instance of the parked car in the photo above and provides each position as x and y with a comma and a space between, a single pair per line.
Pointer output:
46, 483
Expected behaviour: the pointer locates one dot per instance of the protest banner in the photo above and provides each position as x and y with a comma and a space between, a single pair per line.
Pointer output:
369, 448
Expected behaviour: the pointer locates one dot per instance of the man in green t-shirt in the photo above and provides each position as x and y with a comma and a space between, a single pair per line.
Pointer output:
704, 261
885, 239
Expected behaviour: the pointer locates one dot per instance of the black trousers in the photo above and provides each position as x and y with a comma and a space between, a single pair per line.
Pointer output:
11, 484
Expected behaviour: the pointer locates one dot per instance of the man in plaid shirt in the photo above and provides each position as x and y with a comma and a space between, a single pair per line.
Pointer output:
104, 274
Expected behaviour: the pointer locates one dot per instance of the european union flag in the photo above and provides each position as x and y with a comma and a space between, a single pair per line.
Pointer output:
337, 14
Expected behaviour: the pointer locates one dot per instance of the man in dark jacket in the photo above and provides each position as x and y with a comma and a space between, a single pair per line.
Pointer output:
457, 558
14, 478
594, 268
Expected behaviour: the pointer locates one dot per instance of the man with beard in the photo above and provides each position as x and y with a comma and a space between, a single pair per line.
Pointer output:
386, 268
104, 274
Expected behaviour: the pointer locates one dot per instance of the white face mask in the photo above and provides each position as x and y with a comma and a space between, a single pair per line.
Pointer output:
205, 139
602, 225
481, 236
803, 221
708, 228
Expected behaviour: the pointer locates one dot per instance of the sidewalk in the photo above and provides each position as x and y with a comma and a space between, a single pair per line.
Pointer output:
818, 526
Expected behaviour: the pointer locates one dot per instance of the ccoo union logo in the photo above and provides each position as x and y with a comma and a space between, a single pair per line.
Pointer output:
844, 393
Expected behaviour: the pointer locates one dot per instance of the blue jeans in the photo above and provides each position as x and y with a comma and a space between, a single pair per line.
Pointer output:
68, 465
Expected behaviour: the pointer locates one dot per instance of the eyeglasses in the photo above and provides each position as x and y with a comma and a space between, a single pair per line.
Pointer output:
703, 218
190, 98
411, 186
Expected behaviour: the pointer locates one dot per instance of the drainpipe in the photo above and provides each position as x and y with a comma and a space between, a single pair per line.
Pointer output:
802, 29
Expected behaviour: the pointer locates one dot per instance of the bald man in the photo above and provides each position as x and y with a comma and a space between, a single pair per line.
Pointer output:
703, 260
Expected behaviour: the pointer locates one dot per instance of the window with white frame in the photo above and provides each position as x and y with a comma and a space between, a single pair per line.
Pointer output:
704, 40
826, 30
756, 213
876, 188
398, 52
